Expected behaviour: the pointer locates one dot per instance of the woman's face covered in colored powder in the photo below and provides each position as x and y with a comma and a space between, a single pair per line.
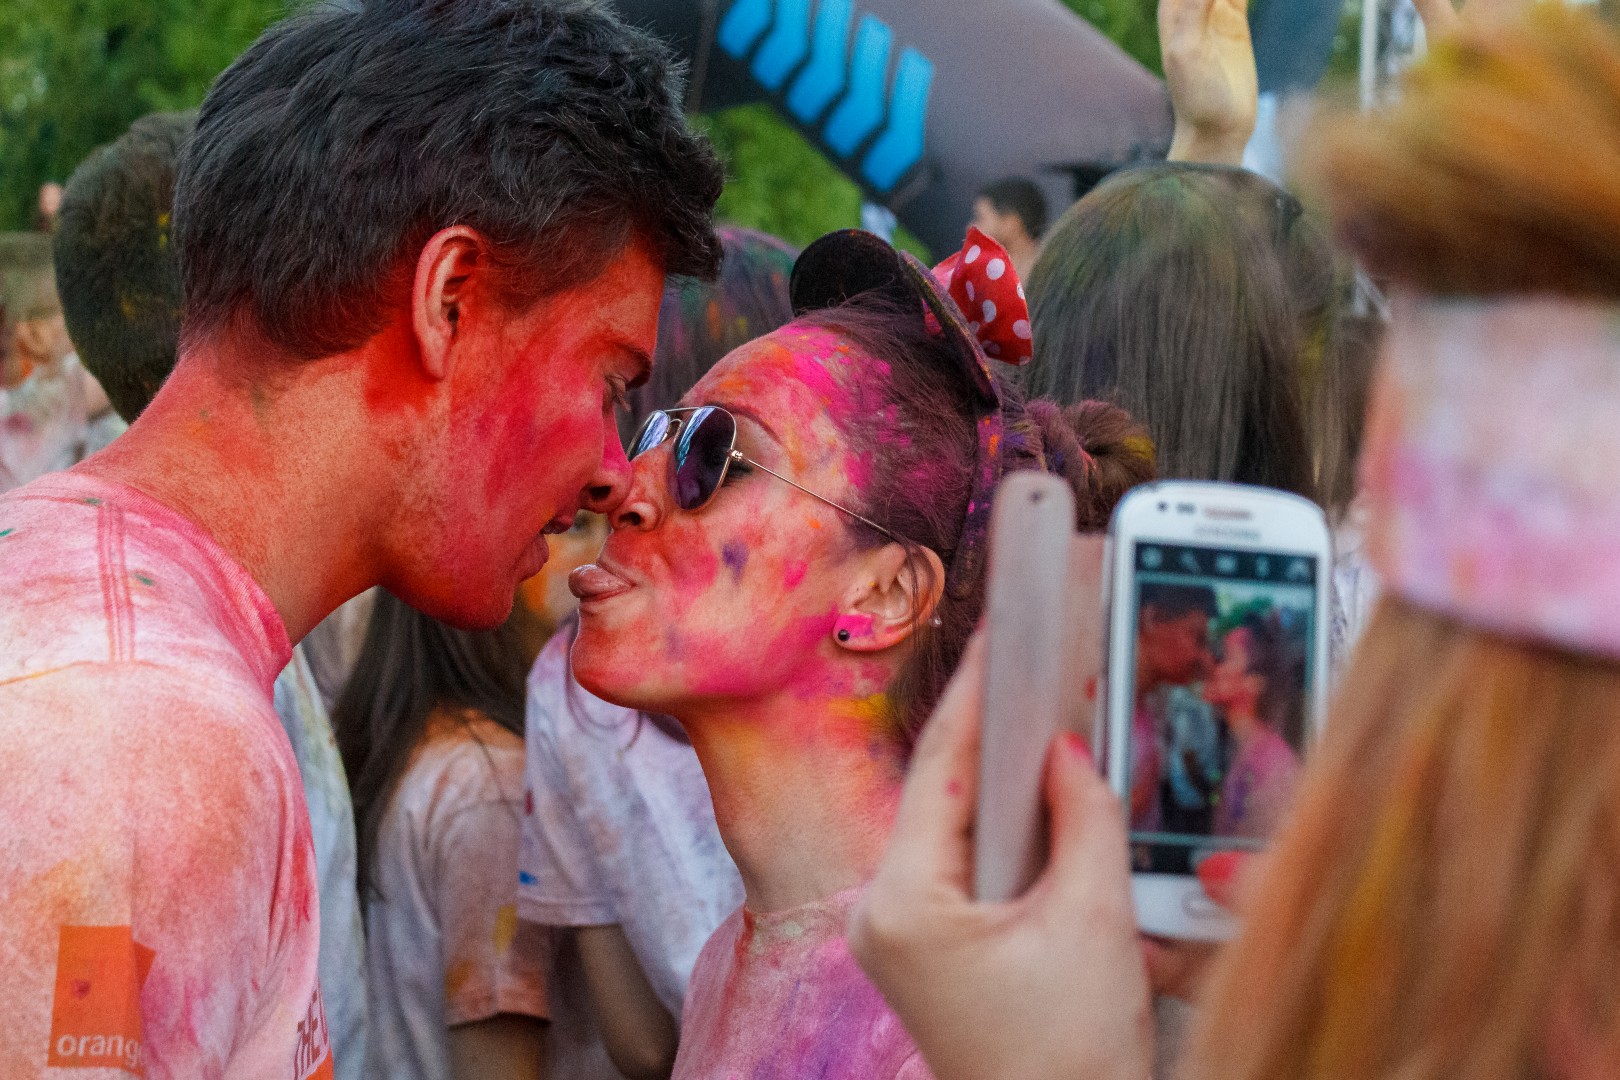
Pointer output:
740, 598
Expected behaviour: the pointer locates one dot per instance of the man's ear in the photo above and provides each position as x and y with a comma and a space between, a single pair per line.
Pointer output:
451, 266
896, 592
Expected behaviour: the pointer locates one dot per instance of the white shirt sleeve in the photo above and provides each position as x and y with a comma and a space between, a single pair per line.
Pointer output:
558, 879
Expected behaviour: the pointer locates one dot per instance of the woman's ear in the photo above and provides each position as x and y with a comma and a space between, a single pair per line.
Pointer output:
897, 591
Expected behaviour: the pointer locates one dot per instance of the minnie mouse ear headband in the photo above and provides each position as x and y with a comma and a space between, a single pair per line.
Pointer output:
1491, 466
972, 300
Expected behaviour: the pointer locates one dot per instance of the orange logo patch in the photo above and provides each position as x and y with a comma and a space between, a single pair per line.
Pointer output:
96, 1012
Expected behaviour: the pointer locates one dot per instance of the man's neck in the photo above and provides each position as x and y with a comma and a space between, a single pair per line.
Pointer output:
805, 793
287, 483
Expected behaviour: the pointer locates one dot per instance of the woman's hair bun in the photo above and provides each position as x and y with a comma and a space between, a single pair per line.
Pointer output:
1100, 449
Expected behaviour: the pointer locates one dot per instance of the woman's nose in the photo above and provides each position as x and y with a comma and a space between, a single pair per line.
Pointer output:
641, 506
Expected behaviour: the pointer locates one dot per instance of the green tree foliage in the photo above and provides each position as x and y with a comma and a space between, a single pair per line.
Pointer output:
75, 73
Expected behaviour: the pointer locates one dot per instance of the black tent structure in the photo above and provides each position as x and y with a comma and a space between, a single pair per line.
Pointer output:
922, 102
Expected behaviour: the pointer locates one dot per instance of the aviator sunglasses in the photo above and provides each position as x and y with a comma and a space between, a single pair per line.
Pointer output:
705, 449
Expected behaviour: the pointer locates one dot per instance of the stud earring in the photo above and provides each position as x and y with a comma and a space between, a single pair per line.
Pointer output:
843, 635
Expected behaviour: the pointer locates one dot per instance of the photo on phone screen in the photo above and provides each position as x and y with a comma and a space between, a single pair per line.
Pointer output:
1222, 660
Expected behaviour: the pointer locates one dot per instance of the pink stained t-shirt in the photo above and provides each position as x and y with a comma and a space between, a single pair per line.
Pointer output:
158, 911
779, 997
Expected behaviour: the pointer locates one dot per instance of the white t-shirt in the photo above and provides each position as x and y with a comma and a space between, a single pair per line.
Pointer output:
619, 828
444, 944
158, 904
331, 821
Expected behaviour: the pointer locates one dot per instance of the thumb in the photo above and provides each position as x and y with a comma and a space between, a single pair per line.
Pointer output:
1090, 856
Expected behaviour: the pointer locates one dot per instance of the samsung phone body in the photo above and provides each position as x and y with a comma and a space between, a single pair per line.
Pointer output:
1217, 598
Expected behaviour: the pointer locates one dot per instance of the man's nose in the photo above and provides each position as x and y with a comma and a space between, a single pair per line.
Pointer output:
610, 484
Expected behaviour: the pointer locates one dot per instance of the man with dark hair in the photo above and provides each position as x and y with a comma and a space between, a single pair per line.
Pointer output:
1012, 212
1173, 740
422, 245
116, 270
119, 283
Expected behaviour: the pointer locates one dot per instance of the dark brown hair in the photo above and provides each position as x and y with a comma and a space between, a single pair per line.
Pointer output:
343, 138
115, 265
919, 426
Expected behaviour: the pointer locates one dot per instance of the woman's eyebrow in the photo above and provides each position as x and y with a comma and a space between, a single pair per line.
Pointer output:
743, 410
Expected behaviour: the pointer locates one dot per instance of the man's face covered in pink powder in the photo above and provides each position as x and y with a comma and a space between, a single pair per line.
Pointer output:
518, 439
739, 599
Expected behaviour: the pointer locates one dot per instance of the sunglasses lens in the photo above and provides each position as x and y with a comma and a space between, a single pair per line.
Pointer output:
654, 430
701, 452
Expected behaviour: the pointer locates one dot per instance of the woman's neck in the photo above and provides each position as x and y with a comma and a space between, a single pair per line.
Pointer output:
805, 792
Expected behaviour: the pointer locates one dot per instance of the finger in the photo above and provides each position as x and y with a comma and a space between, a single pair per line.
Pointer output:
1177, 968
1439, 18
1226, 875
1090, 861
931, 840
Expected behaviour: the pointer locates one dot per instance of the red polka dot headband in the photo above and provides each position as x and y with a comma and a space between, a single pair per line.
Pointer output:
981, 279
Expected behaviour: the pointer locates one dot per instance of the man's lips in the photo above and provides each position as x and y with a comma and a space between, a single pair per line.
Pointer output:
538, 553
593, 581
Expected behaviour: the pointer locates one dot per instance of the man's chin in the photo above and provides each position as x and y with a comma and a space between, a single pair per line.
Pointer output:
466, 611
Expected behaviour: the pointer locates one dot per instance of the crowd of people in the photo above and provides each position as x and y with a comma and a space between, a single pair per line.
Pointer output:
465, 614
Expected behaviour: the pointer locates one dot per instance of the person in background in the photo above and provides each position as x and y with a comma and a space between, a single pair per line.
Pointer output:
47, 206
1194, 294
431, 730
1012, 212
121, 298
1443, 902
1214, 90
53, 413
1172, 654
620, 850
1195, 297
406, 380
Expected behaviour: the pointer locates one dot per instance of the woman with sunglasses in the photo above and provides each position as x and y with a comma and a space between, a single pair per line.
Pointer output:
793, 575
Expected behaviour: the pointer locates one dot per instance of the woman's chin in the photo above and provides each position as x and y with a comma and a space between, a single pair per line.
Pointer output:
608, 672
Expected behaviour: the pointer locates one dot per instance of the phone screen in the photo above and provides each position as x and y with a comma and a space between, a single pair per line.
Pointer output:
1222, 658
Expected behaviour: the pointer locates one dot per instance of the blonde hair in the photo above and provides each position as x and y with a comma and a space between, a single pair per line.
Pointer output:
1452, 868
1498, 171
1446, 899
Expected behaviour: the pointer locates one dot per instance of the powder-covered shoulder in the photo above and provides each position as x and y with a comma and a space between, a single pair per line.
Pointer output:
156, 731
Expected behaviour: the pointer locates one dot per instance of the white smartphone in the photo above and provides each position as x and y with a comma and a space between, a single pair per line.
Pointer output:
1216, 680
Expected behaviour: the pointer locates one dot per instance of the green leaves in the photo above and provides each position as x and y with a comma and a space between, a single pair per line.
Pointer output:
75, 73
